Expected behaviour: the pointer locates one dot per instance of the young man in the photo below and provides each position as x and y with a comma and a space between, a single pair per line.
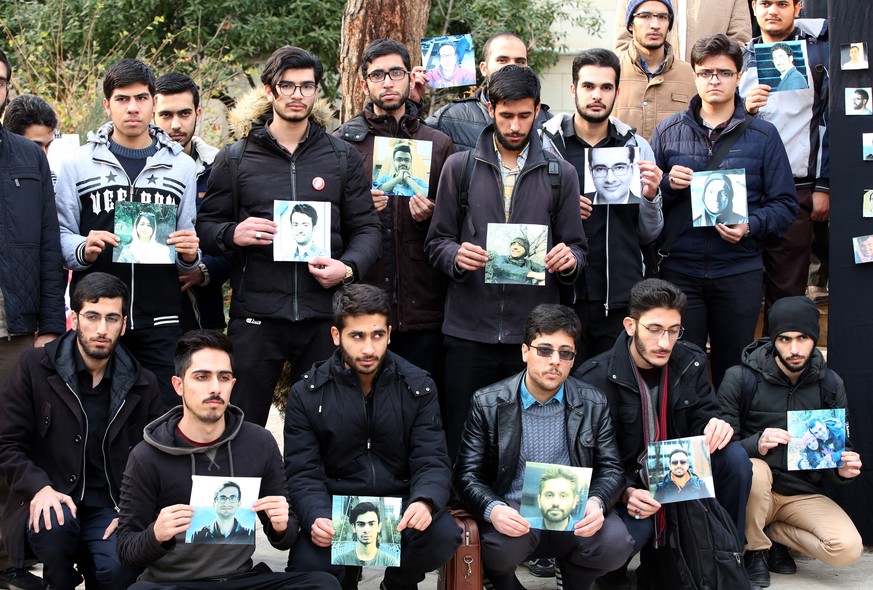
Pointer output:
658, 389
602, 291
655, 82
130, 160
304, 220
510, 182
205, 435
367, 422
367, 524
178, 112
720, 268
543, 415
71, 413
789, 509
31, 117
280, 311
226, 529
417, 290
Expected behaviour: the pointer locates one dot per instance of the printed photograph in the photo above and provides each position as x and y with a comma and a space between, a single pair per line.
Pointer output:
613, 176
867, 203
303, 232
853, 56
818, 439
144, 229
401, 167
223, 510
366, 531
858, 101
783, 65
553, 497
867, 146
719, 196
680, 470
449, 61
862, 246
516, 254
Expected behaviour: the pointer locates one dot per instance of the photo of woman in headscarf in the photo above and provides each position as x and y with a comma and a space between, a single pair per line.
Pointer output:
718, 201
144, 247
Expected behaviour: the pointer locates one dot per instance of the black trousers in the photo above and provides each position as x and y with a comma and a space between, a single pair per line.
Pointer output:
251, 581
599, 328
260, 349
154, 348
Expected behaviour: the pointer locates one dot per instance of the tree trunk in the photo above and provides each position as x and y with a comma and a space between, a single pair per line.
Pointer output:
364, 20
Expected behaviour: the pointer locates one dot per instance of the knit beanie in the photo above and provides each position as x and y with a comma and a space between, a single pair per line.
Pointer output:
794, 314
632, 6
521, 242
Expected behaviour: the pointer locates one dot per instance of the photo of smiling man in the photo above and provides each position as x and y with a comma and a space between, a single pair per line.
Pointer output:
304, 230
614, 176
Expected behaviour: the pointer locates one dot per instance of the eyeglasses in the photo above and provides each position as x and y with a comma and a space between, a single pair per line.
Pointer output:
91, 317
547, 352
658, 331
717, 74
662, 17
307, 89
603, 171
394, 73
227, 499
679, 462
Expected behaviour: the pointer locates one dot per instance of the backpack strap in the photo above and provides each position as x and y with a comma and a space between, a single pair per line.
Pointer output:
828, 385
234, 153
341, 149
464, 191
556, 182
750, 386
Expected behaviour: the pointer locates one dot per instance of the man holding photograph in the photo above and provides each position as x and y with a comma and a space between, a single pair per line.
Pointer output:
557, 499
788, 509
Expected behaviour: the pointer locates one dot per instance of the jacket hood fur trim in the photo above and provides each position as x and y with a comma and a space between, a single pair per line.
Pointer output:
254, 107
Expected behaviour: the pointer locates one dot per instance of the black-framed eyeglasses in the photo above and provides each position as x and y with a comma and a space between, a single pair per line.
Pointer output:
658, 331
717, 74
307, 89
547, 351
395, 74
602, 171
648, 16
227, 499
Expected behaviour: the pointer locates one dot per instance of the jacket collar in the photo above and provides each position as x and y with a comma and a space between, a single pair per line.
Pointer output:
620, 371
692, 114
562, 123
669, 58
388, 125
484, 149
760, 357
104, 132
333, 369
161, 432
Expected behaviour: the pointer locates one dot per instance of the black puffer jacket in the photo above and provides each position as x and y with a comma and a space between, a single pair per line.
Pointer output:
488, 456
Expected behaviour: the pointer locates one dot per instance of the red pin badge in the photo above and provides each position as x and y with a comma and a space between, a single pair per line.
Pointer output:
318, 183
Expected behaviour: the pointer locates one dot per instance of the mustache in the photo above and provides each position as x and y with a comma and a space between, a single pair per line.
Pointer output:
213, 398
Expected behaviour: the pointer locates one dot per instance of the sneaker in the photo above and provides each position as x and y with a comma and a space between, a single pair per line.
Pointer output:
616, 580
542, 568
779, 560
19, 579
756, 567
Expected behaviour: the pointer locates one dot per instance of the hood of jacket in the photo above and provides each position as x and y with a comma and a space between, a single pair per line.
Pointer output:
104, 132
161, 432
562, 124
254, 108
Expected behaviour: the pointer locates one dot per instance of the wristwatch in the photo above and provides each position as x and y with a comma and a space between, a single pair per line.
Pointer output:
349, 278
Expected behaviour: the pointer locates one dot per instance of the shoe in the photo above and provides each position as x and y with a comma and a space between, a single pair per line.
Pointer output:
20, 579
542, 568
817, 294
616, 580
779, 560
756, 567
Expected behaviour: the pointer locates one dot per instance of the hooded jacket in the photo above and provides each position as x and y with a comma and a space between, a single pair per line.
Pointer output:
333, 447
159, 474
267, 172
89, 185
775, 395
43, 428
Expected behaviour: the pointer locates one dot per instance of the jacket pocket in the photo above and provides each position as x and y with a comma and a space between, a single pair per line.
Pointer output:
22, 188
679, 97
45, 420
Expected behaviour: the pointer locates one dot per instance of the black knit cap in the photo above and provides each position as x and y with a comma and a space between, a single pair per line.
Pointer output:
794, 314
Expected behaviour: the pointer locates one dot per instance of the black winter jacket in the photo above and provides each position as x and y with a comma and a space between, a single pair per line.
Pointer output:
488, 456
332, 448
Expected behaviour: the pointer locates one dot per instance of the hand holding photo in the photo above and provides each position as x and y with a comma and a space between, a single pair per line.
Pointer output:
554, 496
680, 470
401, 167
449, 61
858, 101
303, 232
223, 510
613, 176
144, 229
365, 530
516, 254
718, 196
818, 439
863, 248
853, 56
783, 65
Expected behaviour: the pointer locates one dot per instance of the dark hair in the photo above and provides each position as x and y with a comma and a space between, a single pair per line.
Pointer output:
601, 58
782, 47
126, 72
650, 294
486, 49
290, 58
228, 484
305, 209
513, 82
559, 473
380, 48
859, 91
363, 508
100, 285
679, 450
359, 299
175, 83
5, 61
714, 46
813, 421
195, 341
152, 219
27, 110
631, 154
402, 147
550, 318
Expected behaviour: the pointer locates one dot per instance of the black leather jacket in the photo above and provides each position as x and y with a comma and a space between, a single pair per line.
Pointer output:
488, 456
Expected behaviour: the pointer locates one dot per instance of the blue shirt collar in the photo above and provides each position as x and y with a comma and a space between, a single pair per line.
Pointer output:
527, 399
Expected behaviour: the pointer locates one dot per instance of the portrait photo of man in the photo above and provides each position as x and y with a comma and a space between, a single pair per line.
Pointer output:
560, 492
519, 259
407, 170
790, 78
303, 231
858, 101
854, 56
672, 473
450, 61
613, 176
226, 528
365, 521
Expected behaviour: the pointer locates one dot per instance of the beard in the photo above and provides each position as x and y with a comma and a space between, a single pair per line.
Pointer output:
292, 117
391, 106
592, 117
505, 142
92, 352
787, 366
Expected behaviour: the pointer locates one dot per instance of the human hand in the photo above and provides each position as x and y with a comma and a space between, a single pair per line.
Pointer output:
255, 231
186, 243
96, 241
650, 177
380, 199
421, 208
717, 434
640, 503
508, 521
417, 516
821, 206
322, 532
172, 520
417, 84
191, 278
592, 521
560, 259
771, 438
851, 464
680, 177
471, 257
43, 502
276, 509
110, 529
40, 340
585, 207
732, 233
756, 98
329, 272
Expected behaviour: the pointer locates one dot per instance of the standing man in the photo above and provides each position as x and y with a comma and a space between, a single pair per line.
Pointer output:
788, 509
365, 422
801, 119
602, 290
658, 388
204, 436
513, 180
655, 82
543, 415
417, 289
464, 119
720, 268
31, 117
71, 413
280, 311
127, 159
178, 112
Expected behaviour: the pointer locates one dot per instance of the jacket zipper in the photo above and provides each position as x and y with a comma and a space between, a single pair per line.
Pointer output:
294, 198
606, 302
103, 450
85, 443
